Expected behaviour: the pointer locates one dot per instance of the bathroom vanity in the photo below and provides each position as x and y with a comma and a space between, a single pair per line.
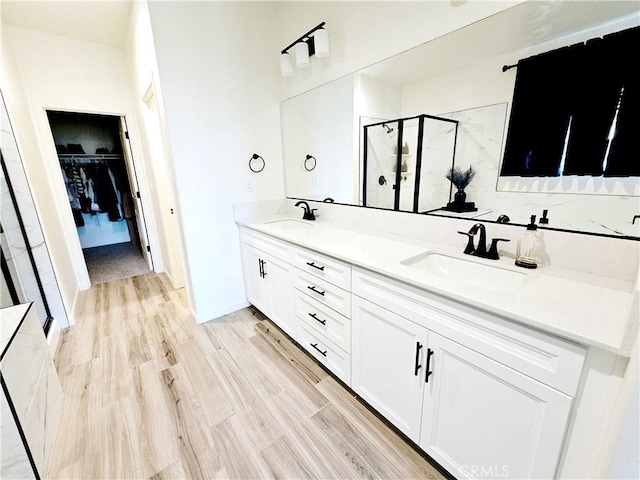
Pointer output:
31, 394
483, 365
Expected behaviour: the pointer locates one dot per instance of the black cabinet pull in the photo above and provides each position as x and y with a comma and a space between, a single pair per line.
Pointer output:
319, 267
429, 372
315, 345
262, 272
417, 365
313, 289
313, 315
261, 268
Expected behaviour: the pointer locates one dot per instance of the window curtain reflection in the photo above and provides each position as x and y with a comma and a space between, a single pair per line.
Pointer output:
575, 111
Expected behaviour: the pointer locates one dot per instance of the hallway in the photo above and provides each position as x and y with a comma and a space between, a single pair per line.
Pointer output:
151, 394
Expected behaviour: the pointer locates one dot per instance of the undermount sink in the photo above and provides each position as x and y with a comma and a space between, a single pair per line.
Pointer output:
468, 271
289, 224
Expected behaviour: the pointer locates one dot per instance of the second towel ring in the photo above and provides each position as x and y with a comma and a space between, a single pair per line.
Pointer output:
256, 168
310, 163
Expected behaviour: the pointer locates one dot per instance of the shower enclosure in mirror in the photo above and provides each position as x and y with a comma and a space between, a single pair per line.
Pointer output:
404, 161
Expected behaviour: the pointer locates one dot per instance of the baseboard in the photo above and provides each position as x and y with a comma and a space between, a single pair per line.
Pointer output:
203, 318
53, 337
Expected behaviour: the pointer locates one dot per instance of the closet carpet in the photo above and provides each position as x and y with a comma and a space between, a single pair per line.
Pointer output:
151, 394
113, 262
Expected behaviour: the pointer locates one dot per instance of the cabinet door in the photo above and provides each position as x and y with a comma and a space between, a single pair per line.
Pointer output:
256, 283
388, 355
279, 276
482, 419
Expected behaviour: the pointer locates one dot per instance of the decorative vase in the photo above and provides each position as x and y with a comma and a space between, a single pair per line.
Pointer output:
460, 198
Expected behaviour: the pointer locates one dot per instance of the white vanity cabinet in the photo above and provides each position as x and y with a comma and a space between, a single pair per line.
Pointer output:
483, 396
269, 278
484, 419
323, 309
388, 364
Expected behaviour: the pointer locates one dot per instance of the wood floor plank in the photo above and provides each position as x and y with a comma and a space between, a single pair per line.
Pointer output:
370, 426
206, 384
365, 457
304, 364
285, 461
311, 400
195, 445
260, 424
309, 444
240, 459
151, 394
157, 432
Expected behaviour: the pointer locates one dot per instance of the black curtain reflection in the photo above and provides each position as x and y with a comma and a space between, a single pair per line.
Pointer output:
565, 103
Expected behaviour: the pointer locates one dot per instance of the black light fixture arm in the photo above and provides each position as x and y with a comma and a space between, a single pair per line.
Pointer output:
306, 38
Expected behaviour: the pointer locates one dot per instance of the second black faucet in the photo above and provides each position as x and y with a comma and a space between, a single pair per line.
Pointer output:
308, 212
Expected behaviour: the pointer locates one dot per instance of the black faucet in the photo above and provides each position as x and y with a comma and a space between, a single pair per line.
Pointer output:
481, 251
308, 212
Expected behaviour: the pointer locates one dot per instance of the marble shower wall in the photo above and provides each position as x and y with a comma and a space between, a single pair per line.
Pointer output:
587, 208
17, 250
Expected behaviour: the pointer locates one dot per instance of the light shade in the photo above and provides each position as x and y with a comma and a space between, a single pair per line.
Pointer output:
321, 40
302, 54
286, 65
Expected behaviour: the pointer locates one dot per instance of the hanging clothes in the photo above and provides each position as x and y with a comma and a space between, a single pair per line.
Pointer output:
106, 195
93, 188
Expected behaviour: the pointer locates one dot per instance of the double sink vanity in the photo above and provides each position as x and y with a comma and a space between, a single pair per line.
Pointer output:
478, 362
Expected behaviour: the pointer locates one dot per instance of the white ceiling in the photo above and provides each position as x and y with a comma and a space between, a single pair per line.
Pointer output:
100, 21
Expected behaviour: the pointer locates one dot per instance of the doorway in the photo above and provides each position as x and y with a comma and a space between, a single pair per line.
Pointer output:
100, 180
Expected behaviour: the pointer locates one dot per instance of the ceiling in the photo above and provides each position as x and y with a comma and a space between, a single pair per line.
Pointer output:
100, 21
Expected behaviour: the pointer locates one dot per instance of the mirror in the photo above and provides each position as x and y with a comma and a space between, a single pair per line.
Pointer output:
466, 84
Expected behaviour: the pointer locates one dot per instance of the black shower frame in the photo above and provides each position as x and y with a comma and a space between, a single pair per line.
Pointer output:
398, 179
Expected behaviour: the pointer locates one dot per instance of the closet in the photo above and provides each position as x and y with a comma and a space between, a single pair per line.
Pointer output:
102, 191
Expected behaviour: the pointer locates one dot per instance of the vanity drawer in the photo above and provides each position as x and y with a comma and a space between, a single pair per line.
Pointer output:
324, 292
324, 267
549, 359
332, 325
325, 352
267, 244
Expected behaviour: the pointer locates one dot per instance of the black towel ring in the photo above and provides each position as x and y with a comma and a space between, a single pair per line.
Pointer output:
308, 165
253, 168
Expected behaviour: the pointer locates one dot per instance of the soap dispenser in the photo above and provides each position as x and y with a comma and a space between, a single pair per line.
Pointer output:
529, 249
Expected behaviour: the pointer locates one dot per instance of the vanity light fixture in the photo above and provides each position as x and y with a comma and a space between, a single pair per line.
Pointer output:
314, 42
256, 163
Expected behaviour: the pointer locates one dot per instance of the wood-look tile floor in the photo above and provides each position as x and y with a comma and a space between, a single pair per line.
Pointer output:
151, 394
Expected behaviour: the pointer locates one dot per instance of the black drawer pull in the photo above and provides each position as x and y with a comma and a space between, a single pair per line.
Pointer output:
313, 289
319, 267
417, 365
315, 345
313, 315
429, 372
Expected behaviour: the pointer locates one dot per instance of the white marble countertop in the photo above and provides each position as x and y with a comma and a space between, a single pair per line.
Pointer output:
587, 309
10, 318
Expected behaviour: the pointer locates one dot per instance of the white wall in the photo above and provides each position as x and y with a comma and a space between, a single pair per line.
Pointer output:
60, 73
220, 86
363, 33
19, 109
147, 95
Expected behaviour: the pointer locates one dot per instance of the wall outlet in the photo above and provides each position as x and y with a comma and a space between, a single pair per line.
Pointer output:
314, 181
250, 186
